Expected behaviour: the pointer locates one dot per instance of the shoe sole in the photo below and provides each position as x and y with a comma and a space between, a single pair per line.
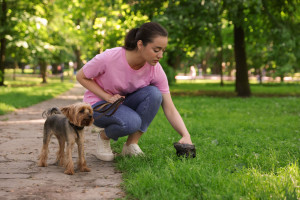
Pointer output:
131, 154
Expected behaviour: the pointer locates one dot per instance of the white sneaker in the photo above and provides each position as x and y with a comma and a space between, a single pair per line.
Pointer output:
132, 150
104, 151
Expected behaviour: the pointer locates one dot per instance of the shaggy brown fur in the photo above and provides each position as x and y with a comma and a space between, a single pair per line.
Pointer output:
67, 125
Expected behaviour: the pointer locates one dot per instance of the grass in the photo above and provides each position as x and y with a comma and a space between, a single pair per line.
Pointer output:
213, 88
28, 90
247, 148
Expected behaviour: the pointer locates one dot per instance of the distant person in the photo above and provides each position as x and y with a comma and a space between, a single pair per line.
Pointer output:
193, 72
62, 72
199, 66
133, 72
75, 68
59, 69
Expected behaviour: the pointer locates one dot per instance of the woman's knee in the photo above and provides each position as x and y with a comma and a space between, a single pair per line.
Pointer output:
133, 123
123, 127
155, 94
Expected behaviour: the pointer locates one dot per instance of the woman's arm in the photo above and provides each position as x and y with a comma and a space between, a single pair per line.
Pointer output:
175, 119
92, 86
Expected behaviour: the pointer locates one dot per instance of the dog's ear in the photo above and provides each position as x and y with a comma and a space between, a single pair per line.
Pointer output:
69, 112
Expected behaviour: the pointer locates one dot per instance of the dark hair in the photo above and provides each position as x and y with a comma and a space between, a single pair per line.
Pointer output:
147, 32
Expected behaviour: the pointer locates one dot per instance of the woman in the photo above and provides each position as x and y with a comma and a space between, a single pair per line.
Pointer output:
132, 72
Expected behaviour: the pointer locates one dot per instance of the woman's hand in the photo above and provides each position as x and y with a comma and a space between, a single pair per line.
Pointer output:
114, 98
185, 140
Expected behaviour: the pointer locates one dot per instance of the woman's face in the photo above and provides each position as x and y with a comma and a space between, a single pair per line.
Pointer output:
153, 51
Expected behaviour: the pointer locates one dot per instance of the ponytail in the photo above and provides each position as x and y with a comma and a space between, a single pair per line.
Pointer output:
147, 32
130, 40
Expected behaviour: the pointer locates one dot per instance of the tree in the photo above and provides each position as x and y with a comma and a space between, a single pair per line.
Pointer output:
23, 33
3, 23
283, 20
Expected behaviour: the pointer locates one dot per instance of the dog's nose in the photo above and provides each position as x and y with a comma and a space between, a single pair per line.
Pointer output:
90, 116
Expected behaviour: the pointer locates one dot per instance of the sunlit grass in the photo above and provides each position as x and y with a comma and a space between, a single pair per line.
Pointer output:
246, 149
28, 90
213, 88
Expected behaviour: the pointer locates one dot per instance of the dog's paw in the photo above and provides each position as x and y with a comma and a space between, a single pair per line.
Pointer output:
42, 164
69, 172
85, 169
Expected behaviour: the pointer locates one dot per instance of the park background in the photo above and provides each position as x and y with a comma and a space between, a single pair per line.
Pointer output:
241, 107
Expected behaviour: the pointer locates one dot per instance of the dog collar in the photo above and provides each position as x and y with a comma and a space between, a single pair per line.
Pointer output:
76, 128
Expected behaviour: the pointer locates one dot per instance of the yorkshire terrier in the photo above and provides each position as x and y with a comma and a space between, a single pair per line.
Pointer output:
67, 125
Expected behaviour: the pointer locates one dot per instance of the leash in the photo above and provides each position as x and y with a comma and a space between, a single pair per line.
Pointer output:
105, 108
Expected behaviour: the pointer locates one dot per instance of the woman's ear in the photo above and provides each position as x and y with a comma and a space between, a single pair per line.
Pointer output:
139, 44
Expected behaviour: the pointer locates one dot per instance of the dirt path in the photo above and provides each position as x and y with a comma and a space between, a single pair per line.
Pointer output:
20, 145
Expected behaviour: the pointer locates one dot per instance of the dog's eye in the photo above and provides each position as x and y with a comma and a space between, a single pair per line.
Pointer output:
81, 111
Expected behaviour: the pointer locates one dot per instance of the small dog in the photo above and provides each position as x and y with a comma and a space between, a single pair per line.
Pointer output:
67, 125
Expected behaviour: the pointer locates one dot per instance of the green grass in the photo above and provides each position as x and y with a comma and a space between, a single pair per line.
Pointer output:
247, 148
27, 90
210, 88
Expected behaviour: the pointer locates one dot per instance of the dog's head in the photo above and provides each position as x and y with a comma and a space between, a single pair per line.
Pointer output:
79, 114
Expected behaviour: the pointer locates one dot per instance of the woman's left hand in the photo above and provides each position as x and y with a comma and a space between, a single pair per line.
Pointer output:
185, 140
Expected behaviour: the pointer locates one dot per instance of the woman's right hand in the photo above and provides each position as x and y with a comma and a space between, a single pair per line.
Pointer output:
114, 98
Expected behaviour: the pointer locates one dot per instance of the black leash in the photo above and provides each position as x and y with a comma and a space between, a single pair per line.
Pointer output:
104, 108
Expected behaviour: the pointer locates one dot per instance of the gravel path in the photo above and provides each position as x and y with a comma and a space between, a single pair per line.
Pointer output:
20, 144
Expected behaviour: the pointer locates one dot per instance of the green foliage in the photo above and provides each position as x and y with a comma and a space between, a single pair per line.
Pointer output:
1, 75
41, 31
168, 70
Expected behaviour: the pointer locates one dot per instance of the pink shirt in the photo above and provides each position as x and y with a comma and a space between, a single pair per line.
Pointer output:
111, 71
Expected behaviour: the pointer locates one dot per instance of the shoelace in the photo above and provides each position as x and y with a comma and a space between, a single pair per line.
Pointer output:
105, 108
106, 144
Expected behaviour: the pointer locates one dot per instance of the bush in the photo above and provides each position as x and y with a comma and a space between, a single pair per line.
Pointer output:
170, 72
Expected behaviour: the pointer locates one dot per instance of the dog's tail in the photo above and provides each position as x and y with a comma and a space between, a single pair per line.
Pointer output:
51, 111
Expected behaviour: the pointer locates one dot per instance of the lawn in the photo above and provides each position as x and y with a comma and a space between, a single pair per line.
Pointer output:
213, 88
28, 90
247, 148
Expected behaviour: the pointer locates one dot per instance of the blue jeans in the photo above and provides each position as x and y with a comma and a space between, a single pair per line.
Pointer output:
134, 114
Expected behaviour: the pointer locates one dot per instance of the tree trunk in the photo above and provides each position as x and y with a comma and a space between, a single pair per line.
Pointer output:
205, 61
242, 86
204, 66
260, 76
215, 69
281, 78
15, 70
3, 43
43, 69
78, 59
